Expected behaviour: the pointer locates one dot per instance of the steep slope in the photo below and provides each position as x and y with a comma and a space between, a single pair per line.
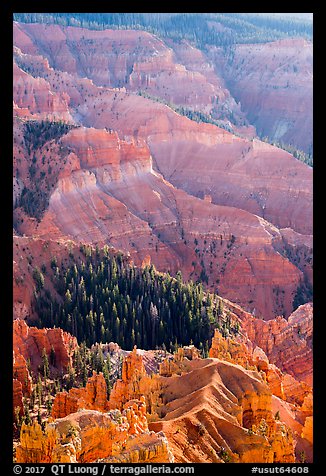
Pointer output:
273, 337
153, 216
249, 166
112, 195
177, 73
273, 82
35, 94
211, 410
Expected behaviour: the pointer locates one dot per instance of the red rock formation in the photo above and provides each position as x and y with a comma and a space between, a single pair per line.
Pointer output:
148, 221
274, 337
17, 397
30, 342
230, 350
147, 63
35, 95
92, 397
21, 373
127, 388
112, 109
273, 81
91, 436
183, 397
295, 406
209, 410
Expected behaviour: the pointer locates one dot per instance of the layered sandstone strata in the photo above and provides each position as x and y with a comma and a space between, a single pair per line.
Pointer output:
277, 97
35, 95
152, 217
275, 335
179, 74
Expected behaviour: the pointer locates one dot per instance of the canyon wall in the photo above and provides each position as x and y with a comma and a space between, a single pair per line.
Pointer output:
273, 82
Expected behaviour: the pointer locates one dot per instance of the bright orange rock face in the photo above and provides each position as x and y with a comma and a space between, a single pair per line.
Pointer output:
230, 350
127, 388
30, 342
215, 412
192, 394
93, 397
92, 436
287, 343
21, 373
296, 396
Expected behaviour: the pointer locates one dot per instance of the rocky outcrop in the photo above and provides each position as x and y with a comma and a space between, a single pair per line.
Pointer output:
217, 411
30, 343
21, 373
91, 436
17, 397
230, 350
135, 383
177, 364
188, 400
287, 343
151, 122
35, 446
149, 220
177, 73
307, 432
291, 399
92, 397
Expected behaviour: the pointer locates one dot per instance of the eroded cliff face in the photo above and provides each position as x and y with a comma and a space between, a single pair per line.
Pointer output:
130, 205
93, 396
277, 98
31, 342
149, 148
274, 337
136, 60
127, 175
82, 429
34, 97
209, 409
101, 107
212, 82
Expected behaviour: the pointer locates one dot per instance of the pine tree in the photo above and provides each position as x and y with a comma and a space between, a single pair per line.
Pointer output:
45, 361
